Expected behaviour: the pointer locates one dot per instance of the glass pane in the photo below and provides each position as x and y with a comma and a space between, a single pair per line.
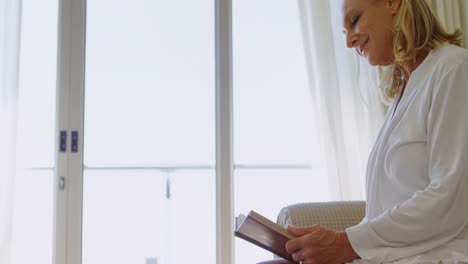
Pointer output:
149, 115
33, 217
144, 216
37, 83
32, 230
273, 121
274, 133
149, 83
266, 191
122, 216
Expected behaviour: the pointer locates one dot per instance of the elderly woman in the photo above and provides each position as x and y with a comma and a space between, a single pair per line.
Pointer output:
417, 173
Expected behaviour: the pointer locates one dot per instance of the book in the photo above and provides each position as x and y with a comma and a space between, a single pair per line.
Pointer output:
264, 233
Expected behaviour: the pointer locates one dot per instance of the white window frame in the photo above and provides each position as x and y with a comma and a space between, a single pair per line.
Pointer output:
224, 133
68, 179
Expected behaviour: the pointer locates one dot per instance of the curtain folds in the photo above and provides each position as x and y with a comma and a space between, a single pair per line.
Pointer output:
453, 15
347, 107
9, 57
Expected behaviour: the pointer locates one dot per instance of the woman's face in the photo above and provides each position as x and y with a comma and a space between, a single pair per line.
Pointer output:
368, 28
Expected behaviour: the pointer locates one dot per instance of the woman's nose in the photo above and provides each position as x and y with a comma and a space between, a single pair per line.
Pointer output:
351, 39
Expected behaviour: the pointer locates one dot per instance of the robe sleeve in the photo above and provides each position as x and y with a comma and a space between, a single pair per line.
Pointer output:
437, 214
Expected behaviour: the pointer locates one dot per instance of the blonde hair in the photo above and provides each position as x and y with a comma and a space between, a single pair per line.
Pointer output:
416, 30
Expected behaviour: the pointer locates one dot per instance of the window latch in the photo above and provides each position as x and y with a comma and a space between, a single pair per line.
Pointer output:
62, 183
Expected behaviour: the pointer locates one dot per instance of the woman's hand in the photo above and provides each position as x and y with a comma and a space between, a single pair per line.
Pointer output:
317, 245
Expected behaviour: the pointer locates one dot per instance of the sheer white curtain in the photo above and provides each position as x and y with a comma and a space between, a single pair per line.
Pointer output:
9, 58
348, 107
453, 15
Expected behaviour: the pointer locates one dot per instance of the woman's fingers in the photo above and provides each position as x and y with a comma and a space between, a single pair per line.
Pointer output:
307, 237
294, 245
297, 256
309, 255
300, 231
317, 244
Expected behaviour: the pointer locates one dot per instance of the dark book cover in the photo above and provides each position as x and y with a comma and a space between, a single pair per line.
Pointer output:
264, 233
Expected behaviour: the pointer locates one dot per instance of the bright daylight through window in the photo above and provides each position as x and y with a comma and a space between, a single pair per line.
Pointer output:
275, 141
149, 139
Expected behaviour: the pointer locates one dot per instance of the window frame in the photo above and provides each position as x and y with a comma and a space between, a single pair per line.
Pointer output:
68, 175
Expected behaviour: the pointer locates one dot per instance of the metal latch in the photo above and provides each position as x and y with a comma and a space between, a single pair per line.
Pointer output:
62, 183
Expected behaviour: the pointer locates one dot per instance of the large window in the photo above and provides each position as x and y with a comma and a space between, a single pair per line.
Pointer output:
274, 135
149, 183
149, 132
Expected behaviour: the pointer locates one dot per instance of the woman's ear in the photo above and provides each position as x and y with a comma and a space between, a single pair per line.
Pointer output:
394, 5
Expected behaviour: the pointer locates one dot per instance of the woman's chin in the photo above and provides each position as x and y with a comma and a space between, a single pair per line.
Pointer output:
372, 62
376, 62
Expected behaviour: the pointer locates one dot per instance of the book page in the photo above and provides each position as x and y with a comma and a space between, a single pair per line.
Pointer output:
267, 222
239, 220
264, 233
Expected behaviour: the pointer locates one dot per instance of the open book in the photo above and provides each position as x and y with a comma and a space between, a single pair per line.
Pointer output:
264, 233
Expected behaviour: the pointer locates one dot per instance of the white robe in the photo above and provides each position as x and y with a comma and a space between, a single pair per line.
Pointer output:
417, 173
